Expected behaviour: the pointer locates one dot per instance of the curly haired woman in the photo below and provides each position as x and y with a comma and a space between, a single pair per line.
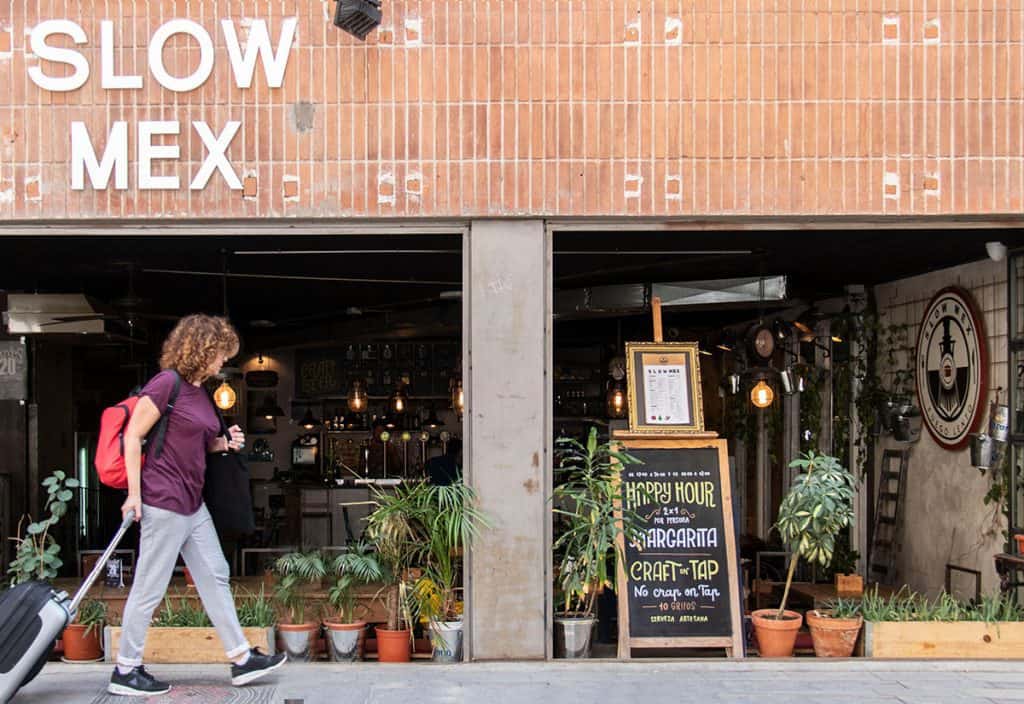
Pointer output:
166, 494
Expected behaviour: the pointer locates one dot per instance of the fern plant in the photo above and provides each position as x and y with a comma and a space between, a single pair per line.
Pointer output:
817, 507
356, 567
296, 570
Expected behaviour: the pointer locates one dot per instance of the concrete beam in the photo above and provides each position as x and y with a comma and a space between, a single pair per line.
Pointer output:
507, 309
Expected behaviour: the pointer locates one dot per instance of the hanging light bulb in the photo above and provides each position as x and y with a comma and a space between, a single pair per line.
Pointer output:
458, 396
399, 401
225, 397
615, 401
357, 397
762, 395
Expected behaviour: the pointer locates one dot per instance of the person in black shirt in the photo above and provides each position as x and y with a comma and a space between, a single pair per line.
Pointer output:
446, 469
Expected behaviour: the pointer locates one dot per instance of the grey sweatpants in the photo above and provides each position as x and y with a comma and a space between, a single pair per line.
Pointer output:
164, 535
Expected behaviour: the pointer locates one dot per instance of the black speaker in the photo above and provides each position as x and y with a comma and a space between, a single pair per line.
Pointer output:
357, 17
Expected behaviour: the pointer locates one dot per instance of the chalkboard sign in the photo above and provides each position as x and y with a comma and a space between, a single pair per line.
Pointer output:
319, 372
678, 584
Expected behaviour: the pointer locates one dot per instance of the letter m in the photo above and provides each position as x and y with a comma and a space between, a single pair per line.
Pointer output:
115, 158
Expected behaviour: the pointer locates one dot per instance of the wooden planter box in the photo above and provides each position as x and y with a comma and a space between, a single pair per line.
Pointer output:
936, 639
185, 645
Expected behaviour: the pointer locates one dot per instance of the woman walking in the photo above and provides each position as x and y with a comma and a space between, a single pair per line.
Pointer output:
166, 494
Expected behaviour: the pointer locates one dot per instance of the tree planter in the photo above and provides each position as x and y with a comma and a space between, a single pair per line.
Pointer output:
833, 637
346, 641
936, 639
299, 641
573, 637
446, 639
80, 646
776, 638
393, 646
186, 645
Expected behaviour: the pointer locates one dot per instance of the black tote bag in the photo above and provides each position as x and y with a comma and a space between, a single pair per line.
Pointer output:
226, 491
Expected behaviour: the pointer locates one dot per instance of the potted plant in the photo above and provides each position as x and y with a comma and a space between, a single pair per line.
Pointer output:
834, 630
586, 505
816, 508
37, 554
296, 570
346, 634
449, 521
82, 636
391, 527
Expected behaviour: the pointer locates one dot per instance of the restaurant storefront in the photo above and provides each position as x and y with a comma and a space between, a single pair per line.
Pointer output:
472, 212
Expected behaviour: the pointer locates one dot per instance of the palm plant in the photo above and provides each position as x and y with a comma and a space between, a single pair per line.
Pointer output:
295, 570
449, 521
588, 503
817, 507
359, 565
391, 526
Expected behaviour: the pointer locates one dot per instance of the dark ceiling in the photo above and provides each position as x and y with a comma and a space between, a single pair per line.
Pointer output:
413, 271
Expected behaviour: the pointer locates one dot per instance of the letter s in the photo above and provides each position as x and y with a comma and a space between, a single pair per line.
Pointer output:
65, 56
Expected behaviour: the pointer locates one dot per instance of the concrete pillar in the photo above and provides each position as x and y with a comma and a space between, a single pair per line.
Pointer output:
507, 310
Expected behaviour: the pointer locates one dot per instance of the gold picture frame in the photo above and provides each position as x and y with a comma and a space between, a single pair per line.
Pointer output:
663, 382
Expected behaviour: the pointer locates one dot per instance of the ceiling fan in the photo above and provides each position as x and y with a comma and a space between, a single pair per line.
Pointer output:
129, 309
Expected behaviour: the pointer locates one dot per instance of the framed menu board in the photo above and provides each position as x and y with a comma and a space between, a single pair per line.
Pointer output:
678, 585
663, 381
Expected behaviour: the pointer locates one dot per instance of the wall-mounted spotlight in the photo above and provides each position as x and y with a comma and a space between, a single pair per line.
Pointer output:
357, 17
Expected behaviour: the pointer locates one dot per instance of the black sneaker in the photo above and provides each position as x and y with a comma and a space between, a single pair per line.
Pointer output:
255, 667
137, 683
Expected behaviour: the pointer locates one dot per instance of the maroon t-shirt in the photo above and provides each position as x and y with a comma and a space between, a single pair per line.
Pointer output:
174, 480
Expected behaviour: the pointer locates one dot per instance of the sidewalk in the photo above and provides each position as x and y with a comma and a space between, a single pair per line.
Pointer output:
656, 682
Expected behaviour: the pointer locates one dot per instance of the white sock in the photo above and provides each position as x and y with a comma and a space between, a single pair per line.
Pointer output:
124, 669
242, 659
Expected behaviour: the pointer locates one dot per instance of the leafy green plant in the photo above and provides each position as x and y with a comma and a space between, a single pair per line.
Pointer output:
186, 614
38, 554
910, 606
449, 520
296, 570
392, 528
91, 613
357, 566
817, 507
255, 610
586, 504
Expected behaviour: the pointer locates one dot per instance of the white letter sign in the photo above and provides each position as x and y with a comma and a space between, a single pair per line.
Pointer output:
216, 158
156, 55
148, 152
259, 43
65, 56
115, 158
110, 79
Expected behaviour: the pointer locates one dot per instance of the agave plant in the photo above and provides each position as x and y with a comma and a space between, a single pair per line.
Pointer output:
359, 565
588, 502
817, 507
295, 570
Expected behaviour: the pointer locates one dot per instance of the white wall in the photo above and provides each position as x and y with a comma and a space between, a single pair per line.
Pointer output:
945, 517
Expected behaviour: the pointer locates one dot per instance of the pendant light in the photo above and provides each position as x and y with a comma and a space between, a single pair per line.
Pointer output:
225, 396
270, 410
615, 400
309, 421
399, 402
357, 397
433, 422
762, 395
458, 396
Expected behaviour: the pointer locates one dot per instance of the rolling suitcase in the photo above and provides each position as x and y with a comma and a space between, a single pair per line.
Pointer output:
32, 617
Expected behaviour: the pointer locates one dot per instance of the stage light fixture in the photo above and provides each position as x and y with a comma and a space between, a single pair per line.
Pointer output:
357, 17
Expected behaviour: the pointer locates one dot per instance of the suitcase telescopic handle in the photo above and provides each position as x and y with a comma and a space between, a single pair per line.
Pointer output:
101, 563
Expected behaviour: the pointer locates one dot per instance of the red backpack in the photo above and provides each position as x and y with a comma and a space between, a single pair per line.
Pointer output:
109, 461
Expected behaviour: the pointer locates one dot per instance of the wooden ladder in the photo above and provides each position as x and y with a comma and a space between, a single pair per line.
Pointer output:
888, 517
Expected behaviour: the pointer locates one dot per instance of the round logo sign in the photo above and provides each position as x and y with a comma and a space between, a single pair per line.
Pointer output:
952, 364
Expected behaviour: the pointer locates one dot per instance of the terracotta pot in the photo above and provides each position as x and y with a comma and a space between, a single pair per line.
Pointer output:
833, 637
775, 638
393, 646
1020, 543
80, 646
188, 578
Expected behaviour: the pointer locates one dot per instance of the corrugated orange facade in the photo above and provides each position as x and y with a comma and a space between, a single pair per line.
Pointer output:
601, 107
